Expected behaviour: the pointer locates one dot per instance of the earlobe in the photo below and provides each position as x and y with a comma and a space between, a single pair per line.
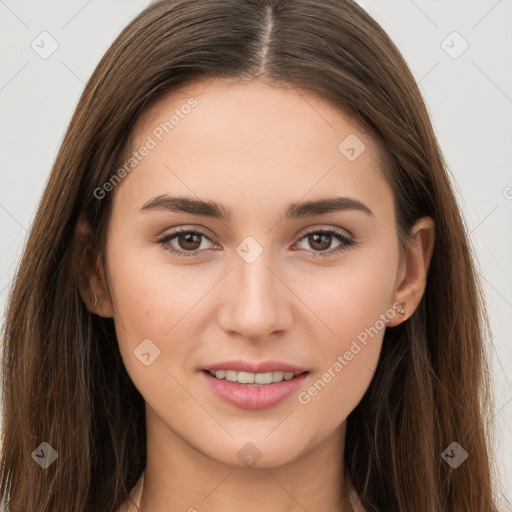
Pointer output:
91, 279
413, 277
102, 305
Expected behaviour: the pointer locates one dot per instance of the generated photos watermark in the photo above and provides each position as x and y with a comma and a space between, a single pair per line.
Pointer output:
304, 397
151, 142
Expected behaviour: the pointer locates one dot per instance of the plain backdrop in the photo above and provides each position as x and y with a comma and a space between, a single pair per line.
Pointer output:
459, 52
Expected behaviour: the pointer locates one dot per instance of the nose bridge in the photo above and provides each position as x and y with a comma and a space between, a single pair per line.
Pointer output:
255, 303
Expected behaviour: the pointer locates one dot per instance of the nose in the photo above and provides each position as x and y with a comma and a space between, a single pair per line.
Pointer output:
255, 300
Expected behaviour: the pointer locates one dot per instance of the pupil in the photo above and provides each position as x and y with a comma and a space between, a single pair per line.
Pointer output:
325, 236
189, 238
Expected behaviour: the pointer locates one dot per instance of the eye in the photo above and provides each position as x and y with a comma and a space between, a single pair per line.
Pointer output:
321, 239
189, 241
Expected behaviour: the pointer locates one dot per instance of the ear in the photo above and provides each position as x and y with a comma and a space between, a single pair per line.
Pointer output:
91, 276
412, 276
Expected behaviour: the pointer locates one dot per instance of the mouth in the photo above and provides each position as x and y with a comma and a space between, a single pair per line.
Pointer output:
256, 391
262, 379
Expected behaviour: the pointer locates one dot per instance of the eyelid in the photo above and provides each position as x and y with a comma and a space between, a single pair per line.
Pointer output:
344, 236
165, 239
206, 233
315, 229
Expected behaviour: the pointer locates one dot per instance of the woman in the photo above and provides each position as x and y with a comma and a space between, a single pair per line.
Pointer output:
248, 283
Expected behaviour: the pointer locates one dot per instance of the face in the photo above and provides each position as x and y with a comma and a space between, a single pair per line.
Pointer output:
309, 287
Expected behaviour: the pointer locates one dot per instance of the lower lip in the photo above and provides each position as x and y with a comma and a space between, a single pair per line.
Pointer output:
254, 396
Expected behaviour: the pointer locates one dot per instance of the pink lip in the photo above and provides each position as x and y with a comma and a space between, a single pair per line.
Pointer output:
254, 396
262, 367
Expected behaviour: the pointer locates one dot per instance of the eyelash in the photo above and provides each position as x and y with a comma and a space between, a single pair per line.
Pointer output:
346, 242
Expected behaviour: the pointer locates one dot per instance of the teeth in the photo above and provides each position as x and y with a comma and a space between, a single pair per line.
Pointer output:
277, 376
252, 378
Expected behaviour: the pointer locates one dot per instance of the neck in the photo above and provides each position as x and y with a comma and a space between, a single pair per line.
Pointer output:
181, 477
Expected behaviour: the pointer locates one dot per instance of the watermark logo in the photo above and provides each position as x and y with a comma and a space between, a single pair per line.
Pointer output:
249, 249
454, 455
45, 455
146, 352
249, 454
454, 45
44, 45
351, 147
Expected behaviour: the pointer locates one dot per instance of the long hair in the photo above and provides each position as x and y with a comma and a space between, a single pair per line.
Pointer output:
64, 382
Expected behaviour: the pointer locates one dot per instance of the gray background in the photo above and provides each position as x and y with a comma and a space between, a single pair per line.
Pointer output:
469, 95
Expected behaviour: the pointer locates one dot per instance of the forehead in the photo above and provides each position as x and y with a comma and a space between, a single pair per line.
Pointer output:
251, 139
255, 109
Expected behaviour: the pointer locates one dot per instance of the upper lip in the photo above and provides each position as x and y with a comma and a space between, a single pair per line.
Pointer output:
253, 367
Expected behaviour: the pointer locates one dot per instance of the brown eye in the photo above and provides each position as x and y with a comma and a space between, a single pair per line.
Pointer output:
189, 241
321, 241
184, 242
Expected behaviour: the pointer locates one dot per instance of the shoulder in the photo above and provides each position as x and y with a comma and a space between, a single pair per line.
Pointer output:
355, 501
132, 503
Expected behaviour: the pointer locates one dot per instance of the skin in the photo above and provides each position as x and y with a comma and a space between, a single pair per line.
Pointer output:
255, 148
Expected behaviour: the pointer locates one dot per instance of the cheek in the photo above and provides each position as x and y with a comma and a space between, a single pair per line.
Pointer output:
149, 295
348, 360
152, 301
357, 322
350, 298
354, 306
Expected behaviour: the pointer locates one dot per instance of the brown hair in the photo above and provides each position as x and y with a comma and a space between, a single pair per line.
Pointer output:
63, 378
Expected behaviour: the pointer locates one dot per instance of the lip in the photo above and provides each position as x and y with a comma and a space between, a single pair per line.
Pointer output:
254, 396
269, 365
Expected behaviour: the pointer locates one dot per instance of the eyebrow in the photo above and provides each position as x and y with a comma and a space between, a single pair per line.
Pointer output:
218, 211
